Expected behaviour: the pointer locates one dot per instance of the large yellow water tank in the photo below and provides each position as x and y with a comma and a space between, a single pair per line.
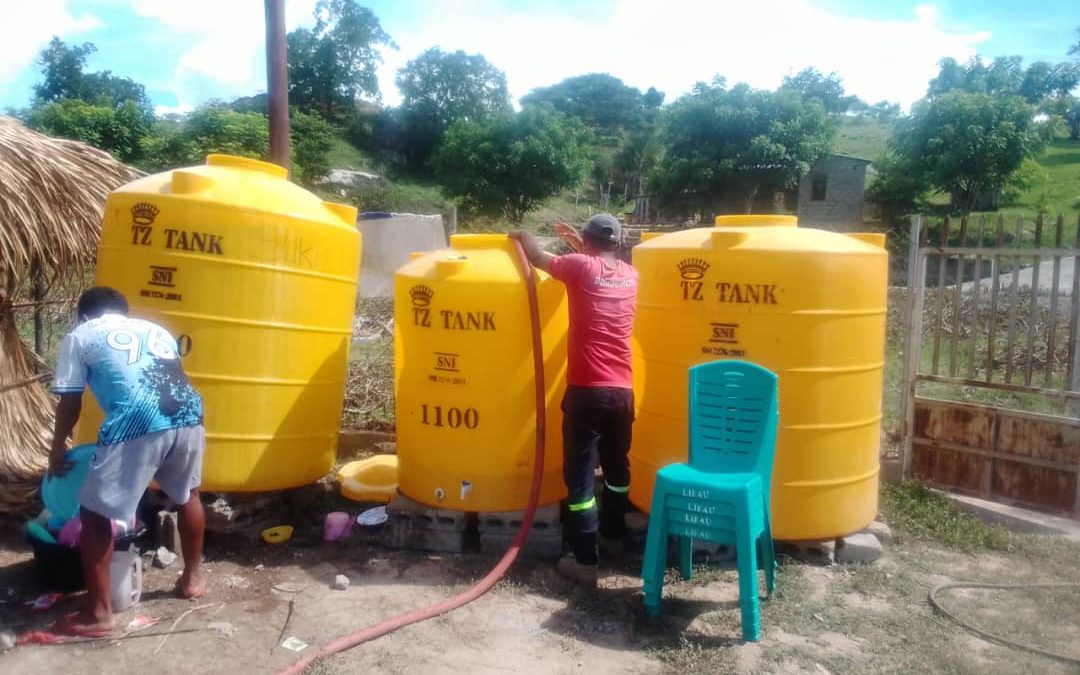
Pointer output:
463, 377
256, 277
807, 304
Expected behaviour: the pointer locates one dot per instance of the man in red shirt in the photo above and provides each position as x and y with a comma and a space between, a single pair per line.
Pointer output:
598, 408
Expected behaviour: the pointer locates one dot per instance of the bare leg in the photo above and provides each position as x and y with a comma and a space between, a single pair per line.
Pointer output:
192, 525
96, 549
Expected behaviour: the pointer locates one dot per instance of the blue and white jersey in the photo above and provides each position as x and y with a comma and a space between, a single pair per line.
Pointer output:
133, 368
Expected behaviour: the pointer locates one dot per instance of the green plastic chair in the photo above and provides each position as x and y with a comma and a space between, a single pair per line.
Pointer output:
722, 495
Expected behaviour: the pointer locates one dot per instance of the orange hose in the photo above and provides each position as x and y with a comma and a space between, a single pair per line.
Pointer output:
484, 585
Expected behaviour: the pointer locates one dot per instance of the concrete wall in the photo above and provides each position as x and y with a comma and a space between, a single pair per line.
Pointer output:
840, 202
388, 239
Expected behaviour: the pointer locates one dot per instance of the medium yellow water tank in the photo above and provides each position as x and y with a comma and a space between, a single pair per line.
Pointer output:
807, 304
256, 277
463, 377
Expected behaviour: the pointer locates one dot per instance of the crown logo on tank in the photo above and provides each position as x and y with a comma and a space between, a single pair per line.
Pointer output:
144, 213
693, 269
421, 295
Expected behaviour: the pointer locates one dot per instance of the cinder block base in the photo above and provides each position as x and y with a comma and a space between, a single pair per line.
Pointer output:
810, 552
412, 525
498, 529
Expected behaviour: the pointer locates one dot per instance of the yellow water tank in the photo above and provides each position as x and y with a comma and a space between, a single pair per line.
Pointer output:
256, 277
463, 377
807, 304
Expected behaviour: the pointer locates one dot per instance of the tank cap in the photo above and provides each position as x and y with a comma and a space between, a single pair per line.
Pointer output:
413, 255
452, 265
234, 162
189, 182
344, 211
467, 242
646, 236
756, 220
722, 238
875, 239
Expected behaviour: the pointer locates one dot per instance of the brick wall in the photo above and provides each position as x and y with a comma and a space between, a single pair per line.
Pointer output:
832, 193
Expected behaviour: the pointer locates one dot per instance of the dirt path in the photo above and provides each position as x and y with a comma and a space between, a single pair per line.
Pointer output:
825, 620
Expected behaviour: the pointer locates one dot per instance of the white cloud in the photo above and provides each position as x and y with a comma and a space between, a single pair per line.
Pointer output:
673, 44
227, 40
26, 27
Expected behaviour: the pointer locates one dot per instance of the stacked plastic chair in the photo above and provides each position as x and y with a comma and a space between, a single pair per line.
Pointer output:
722, 494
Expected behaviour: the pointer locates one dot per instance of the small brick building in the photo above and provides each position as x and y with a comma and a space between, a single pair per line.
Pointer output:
832, 192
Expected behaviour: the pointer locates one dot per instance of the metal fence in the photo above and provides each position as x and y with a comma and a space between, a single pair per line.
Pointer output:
992, 321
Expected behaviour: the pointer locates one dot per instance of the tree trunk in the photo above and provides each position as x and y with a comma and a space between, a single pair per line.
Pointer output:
750, 199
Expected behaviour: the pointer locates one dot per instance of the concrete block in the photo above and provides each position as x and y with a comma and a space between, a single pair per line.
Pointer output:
858, 548
341, 582
498, 529
412, 525
880, 530
168, 531
1017, 519
809, 552
388, 242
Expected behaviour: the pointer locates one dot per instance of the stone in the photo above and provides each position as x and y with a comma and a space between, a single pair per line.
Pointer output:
7, 640
809, 552
164, 558
859, 548
341, 583
880, 530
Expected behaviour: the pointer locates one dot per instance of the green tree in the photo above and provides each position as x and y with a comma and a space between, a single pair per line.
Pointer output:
898, 187
439, 88
334, 64
1005, 76
725, 146
312, 140
826, 89
883, 111
509, 164
121, 130
963, 144
601, 101
63, 77
1072, 118
211, 128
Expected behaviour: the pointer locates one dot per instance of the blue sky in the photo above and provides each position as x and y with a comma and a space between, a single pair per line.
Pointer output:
189, 51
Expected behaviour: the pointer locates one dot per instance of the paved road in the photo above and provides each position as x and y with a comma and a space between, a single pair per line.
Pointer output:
1027, 274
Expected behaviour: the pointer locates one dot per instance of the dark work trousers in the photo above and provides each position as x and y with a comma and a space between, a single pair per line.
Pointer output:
597, 423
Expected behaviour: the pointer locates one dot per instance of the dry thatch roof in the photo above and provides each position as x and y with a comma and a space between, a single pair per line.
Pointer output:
52, 195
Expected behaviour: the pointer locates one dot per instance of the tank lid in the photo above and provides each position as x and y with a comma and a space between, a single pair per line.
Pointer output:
344, 211
756, 220
876, 239
451, 265
467, 242
235, 162
646, 236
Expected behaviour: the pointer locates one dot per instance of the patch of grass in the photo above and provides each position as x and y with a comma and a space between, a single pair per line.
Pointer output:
861, 137
343, 155
916, 511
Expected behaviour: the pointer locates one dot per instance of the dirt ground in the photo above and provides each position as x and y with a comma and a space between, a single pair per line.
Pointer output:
837, 619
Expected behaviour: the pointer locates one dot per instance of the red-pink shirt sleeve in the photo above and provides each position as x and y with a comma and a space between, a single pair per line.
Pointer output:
567, 268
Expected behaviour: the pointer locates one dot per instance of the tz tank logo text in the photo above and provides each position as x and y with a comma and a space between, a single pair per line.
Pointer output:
692, 271
746, 294
180, 240
421, 300
144, 214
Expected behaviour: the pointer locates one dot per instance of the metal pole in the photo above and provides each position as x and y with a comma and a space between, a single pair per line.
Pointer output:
277, 82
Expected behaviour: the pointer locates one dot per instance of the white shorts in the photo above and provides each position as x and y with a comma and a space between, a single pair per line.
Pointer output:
120, 473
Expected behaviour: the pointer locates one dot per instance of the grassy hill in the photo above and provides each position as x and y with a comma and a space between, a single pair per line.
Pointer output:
861, 137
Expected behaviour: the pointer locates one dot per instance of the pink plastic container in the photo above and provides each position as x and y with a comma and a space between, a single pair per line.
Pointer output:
336, 526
